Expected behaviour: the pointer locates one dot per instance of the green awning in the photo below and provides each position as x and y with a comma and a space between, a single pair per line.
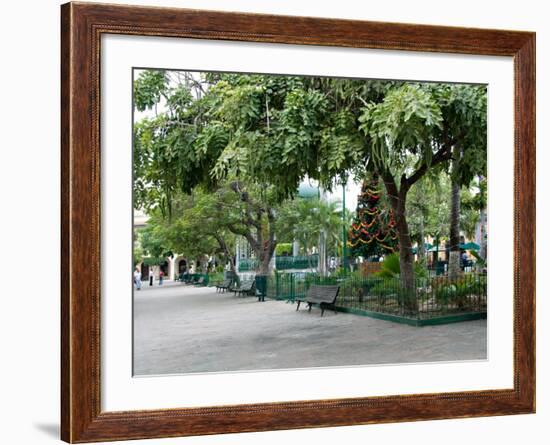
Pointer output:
427, 247
470, 246
467, 246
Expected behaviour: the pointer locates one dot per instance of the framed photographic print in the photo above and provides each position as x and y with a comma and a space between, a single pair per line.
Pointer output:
274, 222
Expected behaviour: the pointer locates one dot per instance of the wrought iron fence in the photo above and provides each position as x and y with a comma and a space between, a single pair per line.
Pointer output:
296, 262
283, 263
194, 278
427, 298
247, 265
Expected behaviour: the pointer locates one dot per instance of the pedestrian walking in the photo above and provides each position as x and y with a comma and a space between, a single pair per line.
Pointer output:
137, 278
161, 277
151, 276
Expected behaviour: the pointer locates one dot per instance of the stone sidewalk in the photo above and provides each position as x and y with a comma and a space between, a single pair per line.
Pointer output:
184, 329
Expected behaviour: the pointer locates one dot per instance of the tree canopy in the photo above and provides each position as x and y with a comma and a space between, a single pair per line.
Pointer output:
271, 132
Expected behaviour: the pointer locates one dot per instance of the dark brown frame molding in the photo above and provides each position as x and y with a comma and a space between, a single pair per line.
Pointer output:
82, 25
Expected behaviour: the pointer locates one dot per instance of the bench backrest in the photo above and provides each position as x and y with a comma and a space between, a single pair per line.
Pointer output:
247, 285
322, 293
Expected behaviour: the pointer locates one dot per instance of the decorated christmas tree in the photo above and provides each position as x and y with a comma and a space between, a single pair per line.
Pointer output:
373, 231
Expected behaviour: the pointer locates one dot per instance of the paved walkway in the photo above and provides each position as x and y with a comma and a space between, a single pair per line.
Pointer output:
182, 329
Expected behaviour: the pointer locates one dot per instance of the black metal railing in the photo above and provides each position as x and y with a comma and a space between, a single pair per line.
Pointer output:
426, 298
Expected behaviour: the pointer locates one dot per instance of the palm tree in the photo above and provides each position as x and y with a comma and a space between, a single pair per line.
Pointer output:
329, 225
312, 222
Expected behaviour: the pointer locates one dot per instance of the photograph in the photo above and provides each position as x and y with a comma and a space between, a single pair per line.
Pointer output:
277, 222
287, 222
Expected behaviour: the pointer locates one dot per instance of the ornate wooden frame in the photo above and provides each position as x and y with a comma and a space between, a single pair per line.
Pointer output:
81, 28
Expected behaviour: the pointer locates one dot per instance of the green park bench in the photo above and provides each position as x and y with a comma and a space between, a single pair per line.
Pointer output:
193, 278
323, 295
202, 280
223, 286
246, 288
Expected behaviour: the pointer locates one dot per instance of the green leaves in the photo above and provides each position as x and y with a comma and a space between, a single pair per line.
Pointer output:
464, 111
274, 131
179, 99
390, 267
402, 125
239, 107
340, 144
303, 220
149, 87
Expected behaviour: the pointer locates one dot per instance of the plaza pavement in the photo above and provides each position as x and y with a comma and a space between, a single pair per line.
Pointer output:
183, 329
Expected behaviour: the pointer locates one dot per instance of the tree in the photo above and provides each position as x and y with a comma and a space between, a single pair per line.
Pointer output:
205, 223
276, 130
295, 222
454, 231
373, 231
400, 132
154, 241
175, 148
199, 228
250, 214
309, 219
175, 151
464, 109
428, 210
418, 128
137, 252
165, 236
418, 208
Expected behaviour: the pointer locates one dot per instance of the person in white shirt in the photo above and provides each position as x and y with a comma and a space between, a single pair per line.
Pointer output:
137, 279
151, 276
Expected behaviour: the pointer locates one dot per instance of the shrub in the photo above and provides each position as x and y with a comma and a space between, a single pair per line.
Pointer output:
458, 291
283, 249
392, 288
390, 267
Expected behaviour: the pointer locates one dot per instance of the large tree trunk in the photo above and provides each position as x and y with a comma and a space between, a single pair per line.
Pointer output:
264, 265
454, 236
228, 254
406, 260
253, 230
397, 200
232, 262
265, 256
266, 248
